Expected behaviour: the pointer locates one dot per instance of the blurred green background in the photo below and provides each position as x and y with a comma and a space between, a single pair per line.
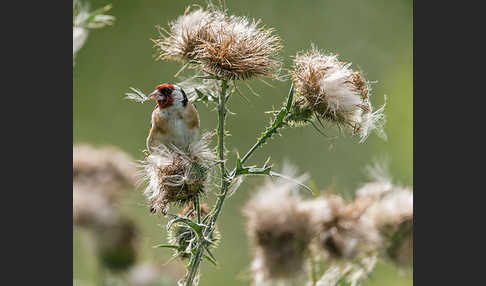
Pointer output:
376, 36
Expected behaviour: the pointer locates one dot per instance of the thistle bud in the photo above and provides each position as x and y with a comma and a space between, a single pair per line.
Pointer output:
181, 235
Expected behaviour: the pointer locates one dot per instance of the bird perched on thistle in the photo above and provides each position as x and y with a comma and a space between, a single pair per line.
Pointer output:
175, 120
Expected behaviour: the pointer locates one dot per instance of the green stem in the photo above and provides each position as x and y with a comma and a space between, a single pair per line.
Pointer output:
197, 207
195, 266
224, 175
224, 183
260, 142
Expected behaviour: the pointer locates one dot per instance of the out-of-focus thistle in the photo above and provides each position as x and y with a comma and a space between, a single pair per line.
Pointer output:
182, 236
392, 214
350, 235
100, 175
281, 233
177, 176
229, 47
84, 20
328, 89
342, 234
116, 244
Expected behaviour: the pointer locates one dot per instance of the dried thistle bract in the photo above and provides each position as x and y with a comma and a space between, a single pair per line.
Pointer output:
175, 175
229, 47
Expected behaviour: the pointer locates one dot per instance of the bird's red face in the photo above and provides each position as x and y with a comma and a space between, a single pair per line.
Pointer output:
163, 95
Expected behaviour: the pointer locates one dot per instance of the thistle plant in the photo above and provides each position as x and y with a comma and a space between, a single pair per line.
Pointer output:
100, 176
289, 232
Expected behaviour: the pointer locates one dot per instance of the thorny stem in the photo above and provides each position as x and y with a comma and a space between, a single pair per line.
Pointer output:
224, 175
197, 207
262, 140
225, 178
224, 184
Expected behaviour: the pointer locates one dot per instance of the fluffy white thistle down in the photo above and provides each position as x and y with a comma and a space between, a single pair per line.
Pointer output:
328, 89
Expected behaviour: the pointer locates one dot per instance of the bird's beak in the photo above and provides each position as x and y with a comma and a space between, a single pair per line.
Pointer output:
154, 95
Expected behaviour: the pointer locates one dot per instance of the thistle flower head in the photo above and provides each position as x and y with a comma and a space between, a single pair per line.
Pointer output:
100, 175
103, 169
392, 208
390, 211
280, 231
229, 47
340, 230
392, 215
329, 89
380, 182
92, 209
176, 176
184, 35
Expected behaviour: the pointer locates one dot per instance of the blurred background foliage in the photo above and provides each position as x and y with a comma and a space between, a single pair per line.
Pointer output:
376, 36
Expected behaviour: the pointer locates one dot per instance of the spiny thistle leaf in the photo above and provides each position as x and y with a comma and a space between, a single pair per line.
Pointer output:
198, 228
289, 100
279, 120
251, 170
206, 98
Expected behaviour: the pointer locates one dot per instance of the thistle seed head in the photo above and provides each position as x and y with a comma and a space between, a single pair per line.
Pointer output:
177, 176
329, 89
105, 169
392, 215
229, 47
92, 208
280, 231
392, 208
100, 175
341, 232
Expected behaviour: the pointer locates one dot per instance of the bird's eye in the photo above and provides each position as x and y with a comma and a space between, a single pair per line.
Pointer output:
166, 91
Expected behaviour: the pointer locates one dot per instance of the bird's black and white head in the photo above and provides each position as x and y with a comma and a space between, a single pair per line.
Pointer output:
167, 95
